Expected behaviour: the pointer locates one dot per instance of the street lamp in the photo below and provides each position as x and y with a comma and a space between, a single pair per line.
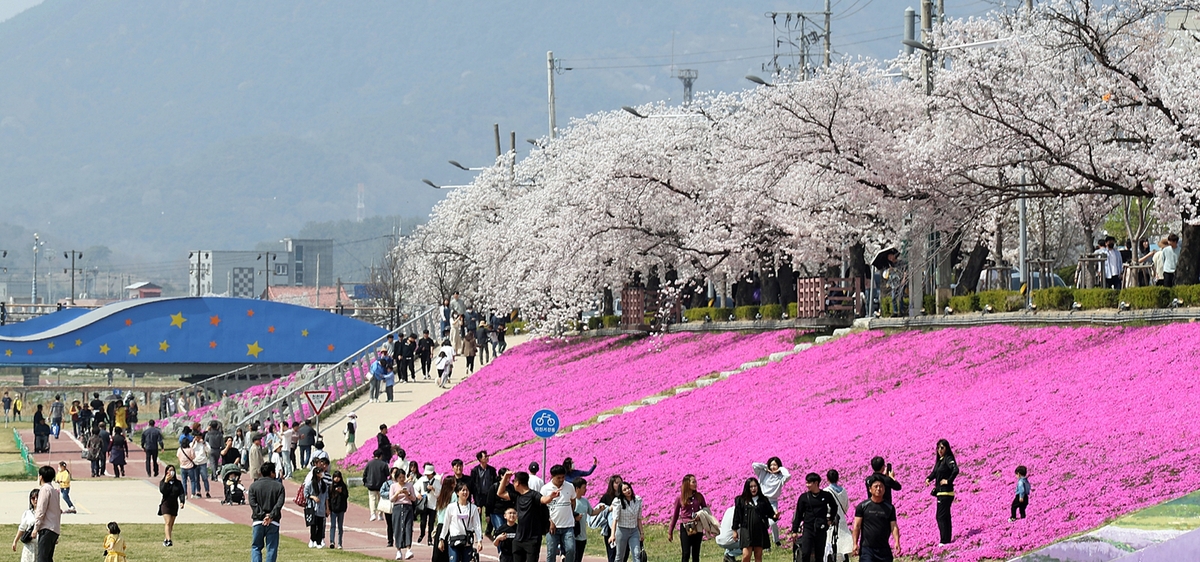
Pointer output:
464, 168
270, 257
72, 255
759, 81
436, 186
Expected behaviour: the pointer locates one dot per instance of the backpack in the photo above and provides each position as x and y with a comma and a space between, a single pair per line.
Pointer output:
542, 521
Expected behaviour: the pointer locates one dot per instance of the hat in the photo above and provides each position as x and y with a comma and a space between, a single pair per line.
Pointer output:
352, 415
429, 469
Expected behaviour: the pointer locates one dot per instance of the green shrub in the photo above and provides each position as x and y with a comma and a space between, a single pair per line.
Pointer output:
1067, 273
1189, 294
885, 307
1141, 298
516, 327
771, 311
716, 314
745, 312
929, 304
610, 321
1001, 301
793, 310
1093, 299
965, 303
1054, 298
594, 323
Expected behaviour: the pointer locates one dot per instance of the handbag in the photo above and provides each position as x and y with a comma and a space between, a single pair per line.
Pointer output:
459, 541
692, 528
301, 500
385, 505
27, 536
309, 514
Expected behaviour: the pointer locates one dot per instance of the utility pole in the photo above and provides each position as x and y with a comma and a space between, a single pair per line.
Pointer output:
910, 28
37, 244
72, 254
688, 76
496, 133
550, 85
270, 256
828, 35
927, 39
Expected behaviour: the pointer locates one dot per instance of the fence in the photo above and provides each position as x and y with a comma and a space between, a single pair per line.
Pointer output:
344, 379
30, 466
817, 297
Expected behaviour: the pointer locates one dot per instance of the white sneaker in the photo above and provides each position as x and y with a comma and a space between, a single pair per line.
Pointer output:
373, 518
320, 545
312, 544
409, 555
398, 557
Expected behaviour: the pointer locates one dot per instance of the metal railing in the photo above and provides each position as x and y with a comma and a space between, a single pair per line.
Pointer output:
343, 378
26, 458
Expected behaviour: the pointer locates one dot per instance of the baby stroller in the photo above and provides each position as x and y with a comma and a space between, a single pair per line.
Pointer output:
231, 477
41, 438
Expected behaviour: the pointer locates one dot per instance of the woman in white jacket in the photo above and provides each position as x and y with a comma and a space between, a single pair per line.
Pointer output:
771, 478
844, 543
460, 528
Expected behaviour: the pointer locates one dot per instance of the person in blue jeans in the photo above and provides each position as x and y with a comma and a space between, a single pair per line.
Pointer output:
562, 515
626, 524
266, 497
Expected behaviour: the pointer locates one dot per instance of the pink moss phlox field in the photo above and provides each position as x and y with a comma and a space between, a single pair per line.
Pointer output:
577, 379
1104, 418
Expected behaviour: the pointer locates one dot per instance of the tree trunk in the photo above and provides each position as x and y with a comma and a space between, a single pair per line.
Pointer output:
787, 281
969, 279
606, 302
1188, 269
770, 286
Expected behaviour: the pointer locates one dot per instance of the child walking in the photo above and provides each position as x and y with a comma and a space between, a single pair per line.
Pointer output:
114, 545
349, 433
339, 496
1021, 501
443, 366
64, 485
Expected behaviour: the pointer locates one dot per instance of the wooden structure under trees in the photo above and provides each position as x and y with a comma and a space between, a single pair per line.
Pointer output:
819, 297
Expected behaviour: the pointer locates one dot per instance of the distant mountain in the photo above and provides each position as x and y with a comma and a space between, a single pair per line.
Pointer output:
153, 127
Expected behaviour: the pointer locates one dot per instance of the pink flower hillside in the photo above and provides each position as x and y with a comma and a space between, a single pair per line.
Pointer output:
1105, 419
577, 379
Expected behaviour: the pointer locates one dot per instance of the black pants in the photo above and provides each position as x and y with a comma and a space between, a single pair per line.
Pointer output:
527, 551
391, 527
428, 521
46, 541
943, 518
1168, 279
690, 545
118, 470
425, 363
1019, 503
316, 531
470, 363
812, 545
1113, 282
610, 550
411, 364
388, 391
152, 462
580, 546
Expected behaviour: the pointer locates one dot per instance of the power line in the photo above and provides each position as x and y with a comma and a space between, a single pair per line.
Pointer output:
677, 63
666, 56
851, 13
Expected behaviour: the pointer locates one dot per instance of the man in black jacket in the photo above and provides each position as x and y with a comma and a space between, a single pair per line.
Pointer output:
425, 352
888, 478
152, 443
815, 511
374, 475
266, 497
533, 517
483, 487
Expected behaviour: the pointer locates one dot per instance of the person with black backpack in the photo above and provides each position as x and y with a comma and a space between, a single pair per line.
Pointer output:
533, 517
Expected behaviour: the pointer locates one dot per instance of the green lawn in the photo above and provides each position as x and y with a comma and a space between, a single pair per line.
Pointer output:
85, 543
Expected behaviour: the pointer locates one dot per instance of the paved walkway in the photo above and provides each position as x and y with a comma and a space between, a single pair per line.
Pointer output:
135, 498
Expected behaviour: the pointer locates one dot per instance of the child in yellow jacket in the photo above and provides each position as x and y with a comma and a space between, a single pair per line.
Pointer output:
114, 545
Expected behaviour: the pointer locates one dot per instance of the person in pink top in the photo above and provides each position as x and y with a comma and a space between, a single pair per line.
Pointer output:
47, 518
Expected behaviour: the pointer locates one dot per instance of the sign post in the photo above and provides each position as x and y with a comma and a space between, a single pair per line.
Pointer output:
318, 399
545, 425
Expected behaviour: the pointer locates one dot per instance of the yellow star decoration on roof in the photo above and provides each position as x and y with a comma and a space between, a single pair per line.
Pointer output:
50, 345
304, 333
104, 349
162, 345
78, 343
253, 349
8, 353
177, 320
133, 350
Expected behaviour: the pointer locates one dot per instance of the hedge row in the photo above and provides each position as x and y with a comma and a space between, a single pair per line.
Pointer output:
1064, 298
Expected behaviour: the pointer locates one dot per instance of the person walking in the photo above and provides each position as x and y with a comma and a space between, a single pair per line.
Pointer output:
945, 470
114, 545
838, 542
469, 350
771, 477
339, 498
612, 492
63, 479
562, 515
1021, 500
425, 347
402, 495
104, 441
118, 452
7, 402
73, 411
874, 522
266, 496
428, 487
375, 474
626, 522
308, 438
152, 443
482, 482
201, 457
481, 339
29, 548
57, 408
462, 529
687, 506
752, 518
317, 492
174, 498
187, 464
815, 510
47, 518
408, 358
882, 471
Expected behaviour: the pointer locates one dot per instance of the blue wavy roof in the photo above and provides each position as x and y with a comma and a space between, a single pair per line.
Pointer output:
186, 330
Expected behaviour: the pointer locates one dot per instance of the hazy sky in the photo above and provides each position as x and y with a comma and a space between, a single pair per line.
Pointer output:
10, 8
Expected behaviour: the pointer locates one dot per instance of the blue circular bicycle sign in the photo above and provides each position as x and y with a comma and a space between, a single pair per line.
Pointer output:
544, 423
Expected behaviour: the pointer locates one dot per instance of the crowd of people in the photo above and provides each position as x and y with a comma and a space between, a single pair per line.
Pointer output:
1164, 257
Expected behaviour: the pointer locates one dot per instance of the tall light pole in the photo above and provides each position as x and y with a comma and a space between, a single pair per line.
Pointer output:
37, 244
72, 254
550, 86
270, 257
